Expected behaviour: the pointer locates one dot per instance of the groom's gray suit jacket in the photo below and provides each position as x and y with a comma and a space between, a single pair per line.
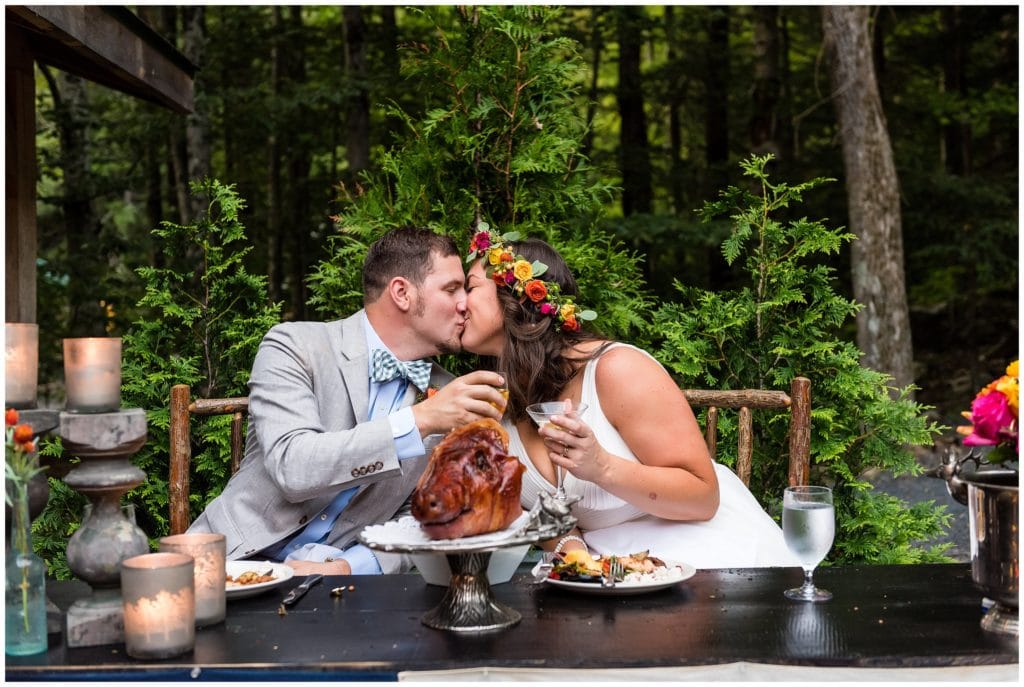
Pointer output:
309, 438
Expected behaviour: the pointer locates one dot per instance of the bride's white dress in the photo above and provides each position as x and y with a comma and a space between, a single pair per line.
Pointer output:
740, 534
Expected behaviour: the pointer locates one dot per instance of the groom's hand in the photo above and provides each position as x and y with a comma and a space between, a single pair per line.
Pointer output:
463, 400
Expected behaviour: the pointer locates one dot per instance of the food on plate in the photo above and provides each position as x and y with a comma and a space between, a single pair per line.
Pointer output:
581, 566
471, 485
250, 577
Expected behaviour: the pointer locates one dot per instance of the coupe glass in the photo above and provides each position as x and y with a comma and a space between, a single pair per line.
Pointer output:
542, 414
808, 525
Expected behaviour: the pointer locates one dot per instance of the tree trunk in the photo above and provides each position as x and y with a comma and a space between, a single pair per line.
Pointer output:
634, 152
872, 188
764, 119
596, 45
81, 225
358, 139
197, 124
275, 232
392, 65
675, 101
956, 136
716, 112
297, 162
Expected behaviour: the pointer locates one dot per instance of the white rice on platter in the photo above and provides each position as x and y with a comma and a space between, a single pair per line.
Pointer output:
660, 574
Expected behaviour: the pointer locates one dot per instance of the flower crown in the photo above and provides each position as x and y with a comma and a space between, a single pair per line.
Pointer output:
520, 276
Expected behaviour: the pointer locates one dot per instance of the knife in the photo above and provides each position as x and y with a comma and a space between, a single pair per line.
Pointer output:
297, 593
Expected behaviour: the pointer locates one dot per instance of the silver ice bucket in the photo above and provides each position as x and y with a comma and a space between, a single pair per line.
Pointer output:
993, 507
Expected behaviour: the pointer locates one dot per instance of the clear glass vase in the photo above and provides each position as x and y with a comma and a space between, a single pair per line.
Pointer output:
25, 582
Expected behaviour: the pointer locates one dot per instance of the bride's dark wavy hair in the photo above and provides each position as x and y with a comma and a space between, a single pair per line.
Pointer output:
533, 364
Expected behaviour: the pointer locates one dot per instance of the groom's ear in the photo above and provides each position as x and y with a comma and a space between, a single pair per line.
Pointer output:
401, 292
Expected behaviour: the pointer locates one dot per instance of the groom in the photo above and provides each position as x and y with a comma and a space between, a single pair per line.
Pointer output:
335, 441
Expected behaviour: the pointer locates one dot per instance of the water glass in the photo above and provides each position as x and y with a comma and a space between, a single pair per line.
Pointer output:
808, 526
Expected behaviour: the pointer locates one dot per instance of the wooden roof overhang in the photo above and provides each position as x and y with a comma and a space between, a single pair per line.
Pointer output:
108, 45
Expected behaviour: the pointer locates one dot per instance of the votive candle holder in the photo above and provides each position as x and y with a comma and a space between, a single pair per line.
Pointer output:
92, 374
159, 605
21, 364
208, 549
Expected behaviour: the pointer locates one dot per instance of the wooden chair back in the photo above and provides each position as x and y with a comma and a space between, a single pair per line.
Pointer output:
798, 401
182, 409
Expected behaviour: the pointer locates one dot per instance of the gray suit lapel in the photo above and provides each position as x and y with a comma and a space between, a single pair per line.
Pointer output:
354, 364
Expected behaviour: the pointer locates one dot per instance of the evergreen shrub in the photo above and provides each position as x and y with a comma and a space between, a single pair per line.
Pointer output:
786, 322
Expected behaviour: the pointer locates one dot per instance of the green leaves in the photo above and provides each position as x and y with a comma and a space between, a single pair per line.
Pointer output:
204, 317
787, 320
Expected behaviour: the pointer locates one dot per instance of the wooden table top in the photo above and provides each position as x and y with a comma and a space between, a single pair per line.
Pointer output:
880, 616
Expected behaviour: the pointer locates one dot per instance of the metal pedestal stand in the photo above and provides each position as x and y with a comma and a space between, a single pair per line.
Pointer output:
103, 442
469, 605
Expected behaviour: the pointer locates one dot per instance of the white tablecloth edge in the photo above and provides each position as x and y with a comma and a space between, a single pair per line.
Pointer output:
716, 674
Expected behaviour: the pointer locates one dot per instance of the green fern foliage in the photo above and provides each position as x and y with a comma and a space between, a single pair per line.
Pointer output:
787, 321
499, 142
206, 316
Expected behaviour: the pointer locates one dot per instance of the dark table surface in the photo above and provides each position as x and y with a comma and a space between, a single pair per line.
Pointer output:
880, 616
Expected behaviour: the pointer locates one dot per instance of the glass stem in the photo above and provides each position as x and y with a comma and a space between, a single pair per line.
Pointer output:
808, 587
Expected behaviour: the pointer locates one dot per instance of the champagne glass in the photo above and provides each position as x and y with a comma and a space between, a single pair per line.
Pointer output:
542, 414
808, 526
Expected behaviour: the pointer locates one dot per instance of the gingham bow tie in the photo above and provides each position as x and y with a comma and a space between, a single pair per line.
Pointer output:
386, 367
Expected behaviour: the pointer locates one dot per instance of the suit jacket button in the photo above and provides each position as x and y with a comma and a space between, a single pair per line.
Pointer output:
363, 470
355, 472
378, 465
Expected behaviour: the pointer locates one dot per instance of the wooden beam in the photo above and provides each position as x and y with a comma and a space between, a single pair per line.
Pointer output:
111, 46
20, 182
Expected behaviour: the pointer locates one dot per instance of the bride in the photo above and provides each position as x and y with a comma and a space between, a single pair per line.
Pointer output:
635, 455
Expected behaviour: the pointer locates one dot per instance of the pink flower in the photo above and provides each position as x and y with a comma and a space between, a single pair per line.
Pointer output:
510, 277
546, 308
992, 418
482, 241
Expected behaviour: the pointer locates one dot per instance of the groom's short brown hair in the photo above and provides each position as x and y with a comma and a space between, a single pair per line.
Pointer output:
404, 252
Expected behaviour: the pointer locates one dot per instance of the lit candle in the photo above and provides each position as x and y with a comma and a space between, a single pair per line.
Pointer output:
208, 550
92, 374
21, 364
159, 605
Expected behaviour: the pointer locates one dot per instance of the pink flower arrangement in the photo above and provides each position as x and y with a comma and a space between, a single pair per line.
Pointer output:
994, 416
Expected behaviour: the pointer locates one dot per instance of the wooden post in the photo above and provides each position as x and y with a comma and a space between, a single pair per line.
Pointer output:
20, 176
180, 458
800, 432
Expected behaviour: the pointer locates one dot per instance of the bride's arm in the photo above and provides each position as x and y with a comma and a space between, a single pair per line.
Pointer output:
675, 478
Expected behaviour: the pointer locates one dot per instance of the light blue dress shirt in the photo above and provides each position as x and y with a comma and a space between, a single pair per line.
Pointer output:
384, 399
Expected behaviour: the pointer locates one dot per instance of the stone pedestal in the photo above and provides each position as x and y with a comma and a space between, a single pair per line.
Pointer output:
104, 442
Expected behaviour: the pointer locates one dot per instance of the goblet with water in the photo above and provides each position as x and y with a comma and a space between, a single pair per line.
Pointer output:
542, 414
808, 526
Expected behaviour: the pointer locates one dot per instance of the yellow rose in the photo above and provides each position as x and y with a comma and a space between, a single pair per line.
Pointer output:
522, 269
1013, 369
567, 310
494, 256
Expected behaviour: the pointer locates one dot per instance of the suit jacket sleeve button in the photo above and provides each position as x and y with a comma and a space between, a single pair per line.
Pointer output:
378, 465
355, 472
302, 520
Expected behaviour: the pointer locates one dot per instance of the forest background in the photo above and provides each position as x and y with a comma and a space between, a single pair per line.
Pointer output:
298, 108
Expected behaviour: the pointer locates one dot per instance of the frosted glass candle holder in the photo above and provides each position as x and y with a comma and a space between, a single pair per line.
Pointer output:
159, 605
92, 374
209, 552
21, 364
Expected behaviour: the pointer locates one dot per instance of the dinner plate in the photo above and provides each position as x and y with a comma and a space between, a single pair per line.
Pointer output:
684, 571
281, 572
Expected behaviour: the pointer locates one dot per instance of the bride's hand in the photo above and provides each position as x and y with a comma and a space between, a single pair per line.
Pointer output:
571, 444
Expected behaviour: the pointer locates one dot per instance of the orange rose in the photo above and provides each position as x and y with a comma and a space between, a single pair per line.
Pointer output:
536, 290
571, 324
11, 417
22, 434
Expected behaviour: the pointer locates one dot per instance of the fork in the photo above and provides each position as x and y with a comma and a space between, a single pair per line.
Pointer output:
615, 571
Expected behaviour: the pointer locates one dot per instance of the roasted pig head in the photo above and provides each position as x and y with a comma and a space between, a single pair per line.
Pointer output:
471, 484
